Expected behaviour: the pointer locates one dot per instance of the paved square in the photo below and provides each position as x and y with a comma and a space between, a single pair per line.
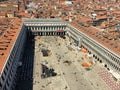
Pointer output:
70, 76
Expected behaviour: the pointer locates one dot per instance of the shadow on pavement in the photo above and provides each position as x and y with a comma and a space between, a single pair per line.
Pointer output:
25, 72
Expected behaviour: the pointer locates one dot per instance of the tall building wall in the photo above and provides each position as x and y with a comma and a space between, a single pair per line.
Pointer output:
8, 76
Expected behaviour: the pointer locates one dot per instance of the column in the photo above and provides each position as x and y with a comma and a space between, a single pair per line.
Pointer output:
49, 28
34, 28
37, 29
28, 28
60, 27
44, 33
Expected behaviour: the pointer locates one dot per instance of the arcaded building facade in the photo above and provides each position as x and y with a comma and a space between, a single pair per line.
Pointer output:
43, 27
8, 72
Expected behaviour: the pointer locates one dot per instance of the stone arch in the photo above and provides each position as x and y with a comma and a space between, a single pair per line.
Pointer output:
41, 33
105, 65
100, 61
95, 57
46, 33
108, 69
52, 33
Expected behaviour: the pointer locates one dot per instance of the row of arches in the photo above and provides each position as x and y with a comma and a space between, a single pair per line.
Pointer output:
49, 33
46, 28
105, 60
98, 59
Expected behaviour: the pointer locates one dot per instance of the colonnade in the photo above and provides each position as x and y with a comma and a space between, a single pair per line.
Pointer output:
109, 59
53, 27
50, 33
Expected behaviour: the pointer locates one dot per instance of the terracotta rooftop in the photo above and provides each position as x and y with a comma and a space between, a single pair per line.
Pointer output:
7, 40
95, 34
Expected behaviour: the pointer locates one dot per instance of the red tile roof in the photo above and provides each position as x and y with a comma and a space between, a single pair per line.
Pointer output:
95, 34
7, 40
